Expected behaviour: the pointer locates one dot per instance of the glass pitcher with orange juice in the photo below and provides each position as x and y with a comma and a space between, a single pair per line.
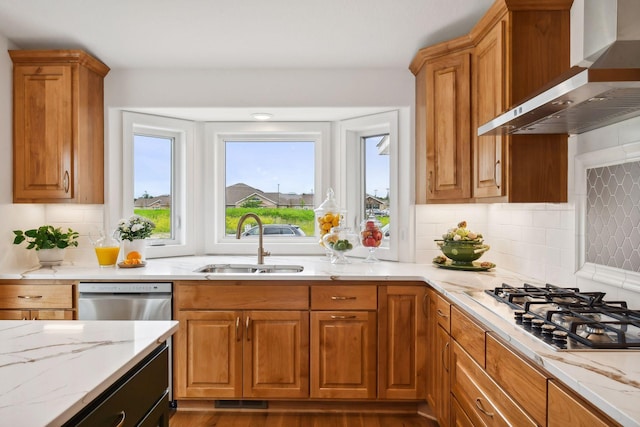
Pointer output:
107, 249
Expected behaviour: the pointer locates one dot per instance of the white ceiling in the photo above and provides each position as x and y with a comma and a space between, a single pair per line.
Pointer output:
240, 33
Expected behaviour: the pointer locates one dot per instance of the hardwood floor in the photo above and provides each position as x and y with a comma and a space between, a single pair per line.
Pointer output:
279, 419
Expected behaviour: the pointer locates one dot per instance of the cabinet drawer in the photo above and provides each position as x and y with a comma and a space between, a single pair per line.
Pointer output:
36, 296
443, 313
344, 297
484, 402
204, 296
524, 383
469, 335
567, 409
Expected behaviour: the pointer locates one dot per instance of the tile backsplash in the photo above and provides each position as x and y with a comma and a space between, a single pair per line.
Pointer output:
537, 240
612, 235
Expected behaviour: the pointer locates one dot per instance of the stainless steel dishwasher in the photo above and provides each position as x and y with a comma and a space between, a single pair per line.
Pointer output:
127, 301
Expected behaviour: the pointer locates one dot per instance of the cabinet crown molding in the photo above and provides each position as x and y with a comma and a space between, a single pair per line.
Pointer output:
61, 56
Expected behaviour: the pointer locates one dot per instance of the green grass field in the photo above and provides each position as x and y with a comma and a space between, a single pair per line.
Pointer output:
304, 218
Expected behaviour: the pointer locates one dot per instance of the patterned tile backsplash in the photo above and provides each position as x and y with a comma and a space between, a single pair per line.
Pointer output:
613, 216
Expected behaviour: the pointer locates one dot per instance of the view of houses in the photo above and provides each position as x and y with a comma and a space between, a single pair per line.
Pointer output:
241, 195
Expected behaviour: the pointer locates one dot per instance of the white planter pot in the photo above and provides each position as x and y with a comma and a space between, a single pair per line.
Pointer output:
51, 256
138, 245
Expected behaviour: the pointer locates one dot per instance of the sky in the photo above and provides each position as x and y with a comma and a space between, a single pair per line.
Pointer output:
267, 166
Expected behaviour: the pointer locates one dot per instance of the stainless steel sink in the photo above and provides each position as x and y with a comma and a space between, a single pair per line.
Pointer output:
249, 268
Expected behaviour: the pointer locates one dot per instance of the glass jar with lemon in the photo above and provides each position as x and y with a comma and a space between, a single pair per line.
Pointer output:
327, 217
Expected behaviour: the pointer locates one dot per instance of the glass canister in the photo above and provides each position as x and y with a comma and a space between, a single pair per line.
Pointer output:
327, 216
371, 237
340, 240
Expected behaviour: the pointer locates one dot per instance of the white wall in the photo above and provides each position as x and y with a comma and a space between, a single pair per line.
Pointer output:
259, 88
13, 216
149, 88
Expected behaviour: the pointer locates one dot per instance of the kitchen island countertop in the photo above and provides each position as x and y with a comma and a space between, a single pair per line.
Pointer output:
610, 380
50, 370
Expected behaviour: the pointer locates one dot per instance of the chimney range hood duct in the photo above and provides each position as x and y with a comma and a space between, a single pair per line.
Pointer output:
585, 98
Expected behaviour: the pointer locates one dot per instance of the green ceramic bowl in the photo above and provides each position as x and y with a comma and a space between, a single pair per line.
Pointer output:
462, 252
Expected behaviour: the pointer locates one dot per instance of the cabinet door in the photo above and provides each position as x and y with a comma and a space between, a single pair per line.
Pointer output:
401, 342
208, 354
438, 384
343, 354
489, 81
442, 384
448, 128
43, 132
276, 354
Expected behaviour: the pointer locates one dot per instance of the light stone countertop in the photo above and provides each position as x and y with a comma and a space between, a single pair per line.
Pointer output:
610, 380
50, 370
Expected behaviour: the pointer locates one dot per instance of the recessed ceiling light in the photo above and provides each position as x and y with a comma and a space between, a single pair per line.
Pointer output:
261, 116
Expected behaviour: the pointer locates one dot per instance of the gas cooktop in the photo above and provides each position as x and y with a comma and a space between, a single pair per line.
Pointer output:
568, 319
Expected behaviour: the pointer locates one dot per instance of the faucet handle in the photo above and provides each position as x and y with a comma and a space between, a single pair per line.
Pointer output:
266, 253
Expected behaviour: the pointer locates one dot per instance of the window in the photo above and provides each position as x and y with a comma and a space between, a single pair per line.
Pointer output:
155, 178
152, 183
370, 144
195, 180
274, 170
275, 180
376, 181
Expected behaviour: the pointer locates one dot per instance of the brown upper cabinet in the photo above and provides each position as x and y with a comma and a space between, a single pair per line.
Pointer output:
514, 50
58, 127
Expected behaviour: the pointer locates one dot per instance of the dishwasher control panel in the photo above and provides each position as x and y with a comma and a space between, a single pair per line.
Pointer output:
124, 287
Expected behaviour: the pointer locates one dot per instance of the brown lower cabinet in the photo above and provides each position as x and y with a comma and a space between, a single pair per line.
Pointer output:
344, 341
248, 340
492, 384
568, 409
480, 397
439, 360
241, 341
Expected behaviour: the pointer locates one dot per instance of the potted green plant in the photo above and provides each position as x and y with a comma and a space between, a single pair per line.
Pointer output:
49, 242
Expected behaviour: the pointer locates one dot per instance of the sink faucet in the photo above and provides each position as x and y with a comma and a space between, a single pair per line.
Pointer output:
261, 252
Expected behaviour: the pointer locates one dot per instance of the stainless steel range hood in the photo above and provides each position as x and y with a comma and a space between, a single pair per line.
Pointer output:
586, 97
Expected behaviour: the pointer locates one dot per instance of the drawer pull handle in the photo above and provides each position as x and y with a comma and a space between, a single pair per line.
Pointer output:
441, 313
339, 298
121, 417
248, 331
342, 317
238, 337
30, 296
480, 407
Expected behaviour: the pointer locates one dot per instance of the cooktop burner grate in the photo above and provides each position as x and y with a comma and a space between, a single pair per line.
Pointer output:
567, 318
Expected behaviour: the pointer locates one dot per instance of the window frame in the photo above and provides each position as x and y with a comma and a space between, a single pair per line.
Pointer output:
351, 134
216, 136
183, 134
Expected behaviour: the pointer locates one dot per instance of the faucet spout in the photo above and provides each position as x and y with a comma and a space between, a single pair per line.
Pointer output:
261, 252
